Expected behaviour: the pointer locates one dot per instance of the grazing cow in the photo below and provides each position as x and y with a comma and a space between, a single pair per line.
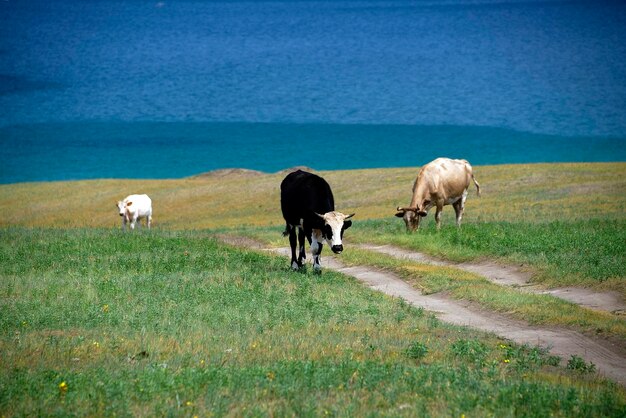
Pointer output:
133, 208
440, 182
308, 205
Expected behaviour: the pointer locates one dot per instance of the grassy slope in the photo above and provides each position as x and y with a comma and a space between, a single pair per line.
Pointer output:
174, 323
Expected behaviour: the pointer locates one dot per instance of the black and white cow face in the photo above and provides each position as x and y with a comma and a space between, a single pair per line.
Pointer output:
334, 225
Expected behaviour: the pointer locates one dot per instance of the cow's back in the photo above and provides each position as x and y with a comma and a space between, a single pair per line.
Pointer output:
303, 194
445, 177
142, 204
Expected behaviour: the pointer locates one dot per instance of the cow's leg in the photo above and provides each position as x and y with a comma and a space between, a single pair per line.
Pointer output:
124, 223
149, 218
316, 248
438, 215
302, 254
133, 221
459, 208
293, 241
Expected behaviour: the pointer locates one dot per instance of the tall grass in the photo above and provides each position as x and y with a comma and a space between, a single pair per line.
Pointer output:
98, 322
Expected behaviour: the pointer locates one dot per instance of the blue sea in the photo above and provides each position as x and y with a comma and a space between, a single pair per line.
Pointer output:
166, 89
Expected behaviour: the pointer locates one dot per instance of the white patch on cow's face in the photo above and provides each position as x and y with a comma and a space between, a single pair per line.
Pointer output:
121, 208
334, 224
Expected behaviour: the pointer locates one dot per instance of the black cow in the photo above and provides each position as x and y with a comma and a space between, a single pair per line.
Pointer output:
307, 204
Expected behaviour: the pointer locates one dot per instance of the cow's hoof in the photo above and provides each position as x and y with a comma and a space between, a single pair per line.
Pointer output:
295, 266
317, 267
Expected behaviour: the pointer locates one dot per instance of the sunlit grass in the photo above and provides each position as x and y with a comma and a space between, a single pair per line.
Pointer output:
526, 192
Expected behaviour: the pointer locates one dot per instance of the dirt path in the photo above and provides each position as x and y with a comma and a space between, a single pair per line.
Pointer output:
511, 276
610, 359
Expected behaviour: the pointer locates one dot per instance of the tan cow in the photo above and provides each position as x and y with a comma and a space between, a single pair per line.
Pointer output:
440, 182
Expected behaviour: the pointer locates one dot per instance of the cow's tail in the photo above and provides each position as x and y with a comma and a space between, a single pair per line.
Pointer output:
477, 185
286, 231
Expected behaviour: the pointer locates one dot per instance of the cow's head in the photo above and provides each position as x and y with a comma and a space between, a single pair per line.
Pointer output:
334, 225
411, 217
122, 206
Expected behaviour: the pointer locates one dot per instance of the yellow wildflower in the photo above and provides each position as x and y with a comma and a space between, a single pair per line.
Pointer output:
63, 387
105, 308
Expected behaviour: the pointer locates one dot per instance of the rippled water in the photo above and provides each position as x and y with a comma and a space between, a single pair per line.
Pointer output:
490, 73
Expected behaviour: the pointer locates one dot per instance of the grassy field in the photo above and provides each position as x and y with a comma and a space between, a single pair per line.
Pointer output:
171, 322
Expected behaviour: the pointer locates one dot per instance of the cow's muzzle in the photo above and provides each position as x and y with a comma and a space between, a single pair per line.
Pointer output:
121, 214
337, 249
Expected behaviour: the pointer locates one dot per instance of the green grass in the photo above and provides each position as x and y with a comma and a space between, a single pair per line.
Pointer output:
95, 322
585, 253
171, 322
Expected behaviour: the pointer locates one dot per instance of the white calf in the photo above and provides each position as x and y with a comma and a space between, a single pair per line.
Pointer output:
133, 208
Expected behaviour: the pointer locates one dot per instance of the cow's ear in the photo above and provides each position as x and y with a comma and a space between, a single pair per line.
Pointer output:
400, 214
347, 224
129, 204
422, 213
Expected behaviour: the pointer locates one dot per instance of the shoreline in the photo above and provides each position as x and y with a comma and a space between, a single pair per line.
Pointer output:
92, 150
240, 172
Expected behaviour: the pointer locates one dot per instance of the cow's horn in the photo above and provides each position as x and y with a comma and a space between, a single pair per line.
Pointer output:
321, 216
350, 216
